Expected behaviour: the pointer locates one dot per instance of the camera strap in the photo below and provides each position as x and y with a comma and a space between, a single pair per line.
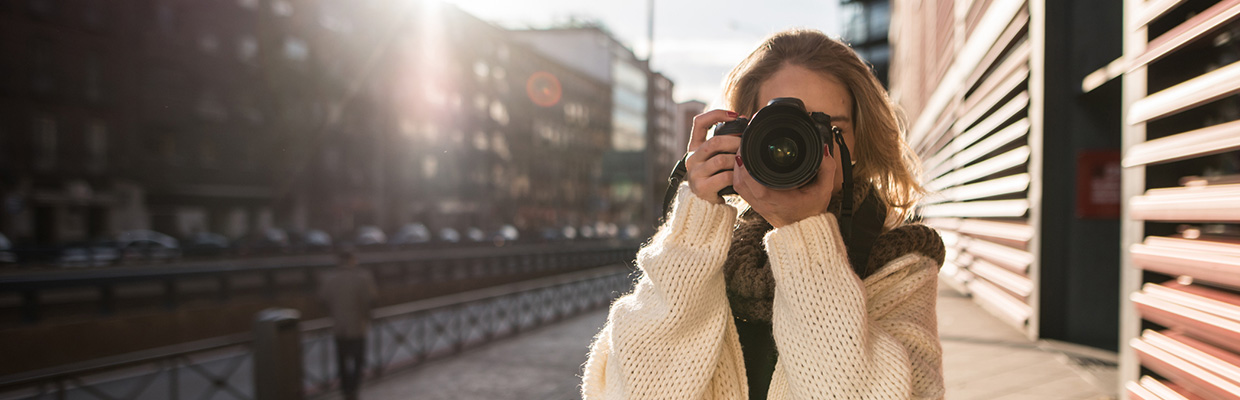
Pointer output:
846, 203
673, 183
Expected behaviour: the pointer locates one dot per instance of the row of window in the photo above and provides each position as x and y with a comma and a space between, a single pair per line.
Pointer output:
49, 142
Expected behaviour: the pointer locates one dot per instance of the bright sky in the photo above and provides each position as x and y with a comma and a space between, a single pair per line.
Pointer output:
696, 42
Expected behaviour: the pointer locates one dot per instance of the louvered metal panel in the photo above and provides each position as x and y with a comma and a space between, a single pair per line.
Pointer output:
979, 153
1154, 389
1182, 246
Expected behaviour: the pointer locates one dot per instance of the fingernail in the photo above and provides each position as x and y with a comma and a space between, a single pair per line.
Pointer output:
739, 163
733, 114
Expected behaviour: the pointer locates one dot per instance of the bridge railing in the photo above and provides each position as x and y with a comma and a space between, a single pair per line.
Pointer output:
103, 289
401, 336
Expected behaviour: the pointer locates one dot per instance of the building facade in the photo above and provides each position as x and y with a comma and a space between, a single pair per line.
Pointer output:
665, 146
866, 23
66, 87
235, 117
627, 167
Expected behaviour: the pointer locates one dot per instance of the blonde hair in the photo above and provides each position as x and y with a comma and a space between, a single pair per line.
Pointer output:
881, 154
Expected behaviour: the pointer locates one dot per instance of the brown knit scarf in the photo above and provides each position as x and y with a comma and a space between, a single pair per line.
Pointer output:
750, 282
751, 285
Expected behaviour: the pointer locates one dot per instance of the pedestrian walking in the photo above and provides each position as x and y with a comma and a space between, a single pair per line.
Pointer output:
348, 291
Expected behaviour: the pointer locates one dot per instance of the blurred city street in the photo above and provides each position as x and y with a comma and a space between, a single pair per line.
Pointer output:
982, 359
195, 194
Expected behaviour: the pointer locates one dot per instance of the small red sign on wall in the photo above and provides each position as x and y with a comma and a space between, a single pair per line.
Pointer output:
1098, 184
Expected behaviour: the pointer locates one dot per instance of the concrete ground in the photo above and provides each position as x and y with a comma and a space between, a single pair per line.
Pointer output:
982, 359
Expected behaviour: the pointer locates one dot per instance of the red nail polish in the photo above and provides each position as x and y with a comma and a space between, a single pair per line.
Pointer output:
733, 114
739, 163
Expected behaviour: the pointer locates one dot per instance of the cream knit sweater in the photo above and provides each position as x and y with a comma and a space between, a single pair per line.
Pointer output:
838, 337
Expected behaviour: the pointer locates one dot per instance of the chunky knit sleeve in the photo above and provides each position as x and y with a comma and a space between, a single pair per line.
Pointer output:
840, 337
673, 337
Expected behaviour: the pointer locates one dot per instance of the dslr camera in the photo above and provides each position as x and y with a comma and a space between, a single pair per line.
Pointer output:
783, 144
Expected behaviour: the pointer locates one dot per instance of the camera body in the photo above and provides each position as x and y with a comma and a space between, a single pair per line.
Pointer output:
783, 144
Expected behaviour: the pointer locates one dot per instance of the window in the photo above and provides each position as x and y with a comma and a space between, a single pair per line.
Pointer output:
208, 154
208, 42
91, 85
43, 76
481, 70
96, 146
44, 143
210, 107
499, 113
42, 8
854, 22
168, 150
332, 20
93, 14
247, 47
165, 16
500, 146
879, 19
430, 167
296, 49
481, 102
282, 8
331, 159
481, 141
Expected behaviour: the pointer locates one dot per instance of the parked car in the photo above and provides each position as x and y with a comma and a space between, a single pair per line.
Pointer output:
316, 239
87, 253
605, 230
6, 250
549, 234
475, 234
370, 236
415, 233
449, 235
505, 234
630, 231
147, 245
205, 244
267, 241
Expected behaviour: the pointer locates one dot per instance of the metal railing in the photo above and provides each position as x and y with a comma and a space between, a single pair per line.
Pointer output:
401, 336
177, 282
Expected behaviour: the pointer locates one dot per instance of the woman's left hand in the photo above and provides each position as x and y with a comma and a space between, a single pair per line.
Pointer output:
787, 206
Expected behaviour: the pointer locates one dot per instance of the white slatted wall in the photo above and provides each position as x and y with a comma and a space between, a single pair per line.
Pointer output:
980, 155
1180, 323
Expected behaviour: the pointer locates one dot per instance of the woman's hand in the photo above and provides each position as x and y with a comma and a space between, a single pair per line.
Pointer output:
786, 206
709, 165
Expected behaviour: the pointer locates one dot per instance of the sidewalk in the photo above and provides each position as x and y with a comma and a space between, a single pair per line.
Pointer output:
982, 359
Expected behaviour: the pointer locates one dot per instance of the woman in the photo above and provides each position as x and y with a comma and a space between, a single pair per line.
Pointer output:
767, 302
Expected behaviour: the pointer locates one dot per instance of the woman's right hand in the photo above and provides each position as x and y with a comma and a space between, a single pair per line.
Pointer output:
708, 169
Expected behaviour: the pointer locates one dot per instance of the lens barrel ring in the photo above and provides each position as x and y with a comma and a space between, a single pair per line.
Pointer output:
767, 139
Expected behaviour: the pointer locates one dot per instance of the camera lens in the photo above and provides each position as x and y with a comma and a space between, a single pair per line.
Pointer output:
787, 145
782, 151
